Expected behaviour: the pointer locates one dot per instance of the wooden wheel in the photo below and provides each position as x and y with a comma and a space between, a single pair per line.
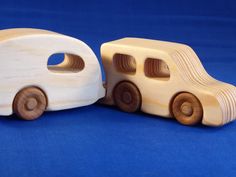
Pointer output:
127, 97
29, 103
187, 109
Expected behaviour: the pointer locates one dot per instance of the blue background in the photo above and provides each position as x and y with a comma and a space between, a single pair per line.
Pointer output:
102, 141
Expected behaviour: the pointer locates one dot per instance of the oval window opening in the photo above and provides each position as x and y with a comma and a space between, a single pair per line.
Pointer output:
64, 63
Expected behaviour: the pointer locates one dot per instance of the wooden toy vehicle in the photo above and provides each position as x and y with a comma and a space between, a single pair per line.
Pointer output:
166, 79
29, 86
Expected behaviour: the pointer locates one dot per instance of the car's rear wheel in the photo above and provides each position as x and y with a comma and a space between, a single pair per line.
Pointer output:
187, 109
127, 96
30, 103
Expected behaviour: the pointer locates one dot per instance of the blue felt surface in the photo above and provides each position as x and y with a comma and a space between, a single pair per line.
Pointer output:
99, 141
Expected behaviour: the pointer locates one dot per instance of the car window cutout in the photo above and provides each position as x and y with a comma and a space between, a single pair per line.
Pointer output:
156, 68
65, 63
124, 63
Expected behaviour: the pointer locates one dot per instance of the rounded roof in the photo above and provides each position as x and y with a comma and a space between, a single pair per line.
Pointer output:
19, 32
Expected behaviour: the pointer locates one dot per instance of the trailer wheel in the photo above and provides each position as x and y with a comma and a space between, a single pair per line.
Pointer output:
30, 103
187, 109
127, 96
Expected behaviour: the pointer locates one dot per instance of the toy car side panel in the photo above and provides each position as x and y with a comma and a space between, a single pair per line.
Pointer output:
186, 75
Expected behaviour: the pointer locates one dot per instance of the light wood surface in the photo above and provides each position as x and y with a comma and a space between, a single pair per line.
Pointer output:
165, 73
24, 54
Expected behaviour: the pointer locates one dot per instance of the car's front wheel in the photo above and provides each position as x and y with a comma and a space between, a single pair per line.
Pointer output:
187, 109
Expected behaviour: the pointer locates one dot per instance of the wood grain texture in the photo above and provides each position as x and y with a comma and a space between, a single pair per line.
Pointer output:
75, 82
163, 71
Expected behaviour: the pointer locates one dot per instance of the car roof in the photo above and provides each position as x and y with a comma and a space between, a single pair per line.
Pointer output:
19, 32
169, 47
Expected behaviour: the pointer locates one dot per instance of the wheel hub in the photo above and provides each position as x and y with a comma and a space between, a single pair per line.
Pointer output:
31, 104
127, 97
186, 109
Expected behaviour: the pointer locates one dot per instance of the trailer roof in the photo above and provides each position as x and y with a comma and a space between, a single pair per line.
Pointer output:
19, 32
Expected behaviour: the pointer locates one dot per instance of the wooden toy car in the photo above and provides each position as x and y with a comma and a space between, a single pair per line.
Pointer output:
166, 79
29, 86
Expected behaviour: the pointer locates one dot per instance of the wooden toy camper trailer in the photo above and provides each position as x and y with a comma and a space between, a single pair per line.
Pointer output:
29, 86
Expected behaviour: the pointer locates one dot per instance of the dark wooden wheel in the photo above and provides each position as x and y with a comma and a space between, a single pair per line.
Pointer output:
187, 109
127, 97
29, 103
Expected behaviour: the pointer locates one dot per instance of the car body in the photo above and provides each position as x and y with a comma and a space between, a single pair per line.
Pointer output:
24, 53
161, 71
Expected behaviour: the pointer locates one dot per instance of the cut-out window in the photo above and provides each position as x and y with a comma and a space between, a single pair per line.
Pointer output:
156, 68
65, 63
124, 63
